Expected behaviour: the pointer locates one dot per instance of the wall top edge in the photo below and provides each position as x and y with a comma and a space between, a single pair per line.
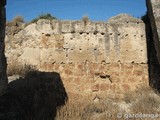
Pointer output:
119, 19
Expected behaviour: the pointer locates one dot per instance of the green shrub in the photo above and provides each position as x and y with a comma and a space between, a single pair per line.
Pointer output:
43, 16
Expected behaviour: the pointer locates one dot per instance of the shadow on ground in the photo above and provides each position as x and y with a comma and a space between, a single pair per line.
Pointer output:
34, 97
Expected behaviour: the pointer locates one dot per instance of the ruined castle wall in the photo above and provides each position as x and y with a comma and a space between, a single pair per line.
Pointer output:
3, 65
153, 7
92, 57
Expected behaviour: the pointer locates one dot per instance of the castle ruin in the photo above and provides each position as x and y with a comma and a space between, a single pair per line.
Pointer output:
93, 58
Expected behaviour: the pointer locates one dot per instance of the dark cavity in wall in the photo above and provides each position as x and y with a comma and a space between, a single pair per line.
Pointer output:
153, 65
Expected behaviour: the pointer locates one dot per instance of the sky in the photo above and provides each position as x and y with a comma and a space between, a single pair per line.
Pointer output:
96, 10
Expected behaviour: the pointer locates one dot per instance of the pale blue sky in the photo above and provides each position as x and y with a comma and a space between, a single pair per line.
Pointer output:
97, 10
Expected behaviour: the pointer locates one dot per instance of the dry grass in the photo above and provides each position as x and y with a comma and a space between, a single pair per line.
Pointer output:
15, 68
143, 100
87, 110
18, 19
85, 19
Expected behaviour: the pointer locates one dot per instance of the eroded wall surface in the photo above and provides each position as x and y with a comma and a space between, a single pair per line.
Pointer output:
153, 7
93, 58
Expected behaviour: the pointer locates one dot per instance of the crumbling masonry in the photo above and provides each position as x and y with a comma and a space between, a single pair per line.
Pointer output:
93, 58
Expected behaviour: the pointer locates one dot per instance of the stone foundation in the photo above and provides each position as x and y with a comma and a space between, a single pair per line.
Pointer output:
94, 78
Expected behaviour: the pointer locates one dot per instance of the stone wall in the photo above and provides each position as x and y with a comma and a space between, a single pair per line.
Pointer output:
93, 58
153, 7
153, 45
3, 65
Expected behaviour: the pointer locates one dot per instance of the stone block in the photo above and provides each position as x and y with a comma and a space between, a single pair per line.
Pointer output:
125, 87
145, 78
104, 87
44, 26
56, 26
132, 79
115, 79
30, 56
95, 88
126, 67
113, 87
137, 73
101, 27
91, 73
79, 26
67, 27
96, 66
30, 30
90, 27
78, 80
68, 72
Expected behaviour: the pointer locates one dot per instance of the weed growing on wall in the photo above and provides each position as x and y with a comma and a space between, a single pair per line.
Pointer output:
18, 19
43, 16
85, 20
19, 69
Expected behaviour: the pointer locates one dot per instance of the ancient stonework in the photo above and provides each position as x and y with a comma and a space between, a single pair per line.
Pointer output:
153, 7
3, 65
93, 58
